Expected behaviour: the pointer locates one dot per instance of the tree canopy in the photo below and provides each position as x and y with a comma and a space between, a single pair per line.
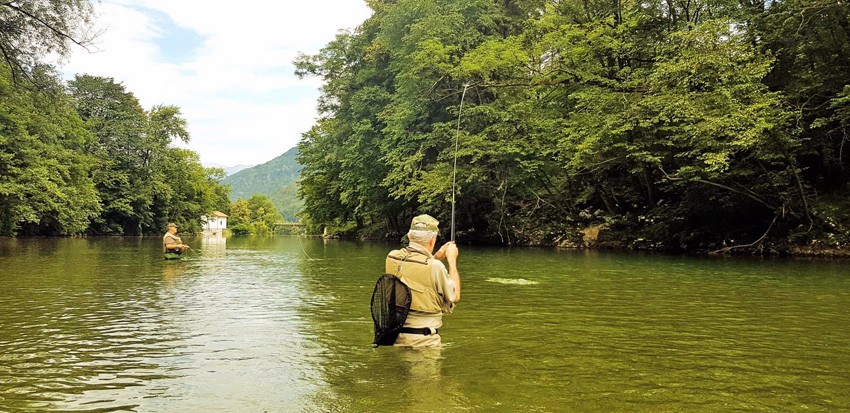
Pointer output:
671, 124
32, 29
86, 158
256, 215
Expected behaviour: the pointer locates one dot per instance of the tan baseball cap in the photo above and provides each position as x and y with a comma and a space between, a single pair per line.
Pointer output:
425, 222
171, 225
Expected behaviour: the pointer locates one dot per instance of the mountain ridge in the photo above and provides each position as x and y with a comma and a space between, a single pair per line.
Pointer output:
275, 179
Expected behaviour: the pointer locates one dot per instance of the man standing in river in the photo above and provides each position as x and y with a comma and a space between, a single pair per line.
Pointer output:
434, 290
171, 243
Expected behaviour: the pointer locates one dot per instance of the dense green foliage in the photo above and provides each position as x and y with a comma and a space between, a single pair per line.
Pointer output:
31, 29
144, 182
257, 215
274, 179
86, 158
89, 159
668, 124
45, 179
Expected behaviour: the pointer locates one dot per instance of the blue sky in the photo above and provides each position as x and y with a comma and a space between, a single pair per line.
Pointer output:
228, 68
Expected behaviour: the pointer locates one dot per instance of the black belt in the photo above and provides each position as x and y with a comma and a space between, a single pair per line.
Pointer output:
425, 331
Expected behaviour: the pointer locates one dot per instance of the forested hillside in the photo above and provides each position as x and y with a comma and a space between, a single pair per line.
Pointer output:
85, 157
274, 179
695, 125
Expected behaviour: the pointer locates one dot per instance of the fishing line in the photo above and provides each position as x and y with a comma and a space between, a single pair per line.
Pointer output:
303, 250
454, 169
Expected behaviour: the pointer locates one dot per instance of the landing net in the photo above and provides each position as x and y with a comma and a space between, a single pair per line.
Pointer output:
390, 305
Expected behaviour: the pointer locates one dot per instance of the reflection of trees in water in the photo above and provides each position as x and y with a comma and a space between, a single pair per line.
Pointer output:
338, 283
82, 321
255, 242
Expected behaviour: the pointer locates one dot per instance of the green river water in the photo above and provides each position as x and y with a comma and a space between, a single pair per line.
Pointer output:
254, 325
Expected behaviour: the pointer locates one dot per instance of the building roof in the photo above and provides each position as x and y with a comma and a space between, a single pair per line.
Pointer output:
219, 214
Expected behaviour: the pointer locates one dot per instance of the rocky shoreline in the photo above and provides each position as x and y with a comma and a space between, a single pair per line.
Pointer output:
597, 238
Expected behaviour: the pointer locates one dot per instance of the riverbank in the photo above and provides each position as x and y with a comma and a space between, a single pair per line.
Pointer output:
601, 237
598, 238
815, 250
591, 238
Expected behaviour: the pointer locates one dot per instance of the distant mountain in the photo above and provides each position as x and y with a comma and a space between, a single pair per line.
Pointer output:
230, 170
275, 179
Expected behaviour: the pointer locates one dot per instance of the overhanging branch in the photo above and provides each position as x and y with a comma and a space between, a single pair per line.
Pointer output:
49, 26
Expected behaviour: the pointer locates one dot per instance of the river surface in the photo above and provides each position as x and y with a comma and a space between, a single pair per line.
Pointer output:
282, 325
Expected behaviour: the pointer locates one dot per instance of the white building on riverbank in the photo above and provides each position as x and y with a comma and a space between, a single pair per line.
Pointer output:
215, 223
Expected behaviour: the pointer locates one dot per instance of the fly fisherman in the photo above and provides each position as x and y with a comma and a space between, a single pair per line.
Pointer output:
434, 291
171, 243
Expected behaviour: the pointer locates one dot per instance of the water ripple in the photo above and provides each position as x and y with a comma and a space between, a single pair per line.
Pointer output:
256, 326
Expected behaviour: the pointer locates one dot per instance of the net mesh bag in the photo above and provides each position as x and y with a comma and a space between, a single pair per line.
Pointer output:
390, 305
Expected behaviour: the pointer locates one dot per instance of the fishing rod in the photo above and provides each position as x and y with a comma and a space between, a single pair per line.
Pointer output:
454, 169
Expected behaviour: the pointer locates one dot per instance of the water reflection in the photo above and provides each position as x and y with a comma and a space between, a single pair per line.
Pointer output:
339, 279
74, 342
283, 324
172, 270
425, 387
247, 350
214, 244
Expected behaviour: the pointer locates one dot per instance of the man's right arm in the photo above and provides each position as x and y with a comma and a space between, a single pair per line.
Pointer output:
451, 252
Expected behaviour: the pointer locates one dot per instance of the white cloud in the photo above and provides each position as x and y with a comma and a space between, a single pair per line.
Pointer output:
237, 88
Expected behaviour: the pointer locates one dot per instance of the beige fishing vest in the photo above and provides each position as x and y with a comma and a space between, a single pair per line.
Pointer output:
414, 270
